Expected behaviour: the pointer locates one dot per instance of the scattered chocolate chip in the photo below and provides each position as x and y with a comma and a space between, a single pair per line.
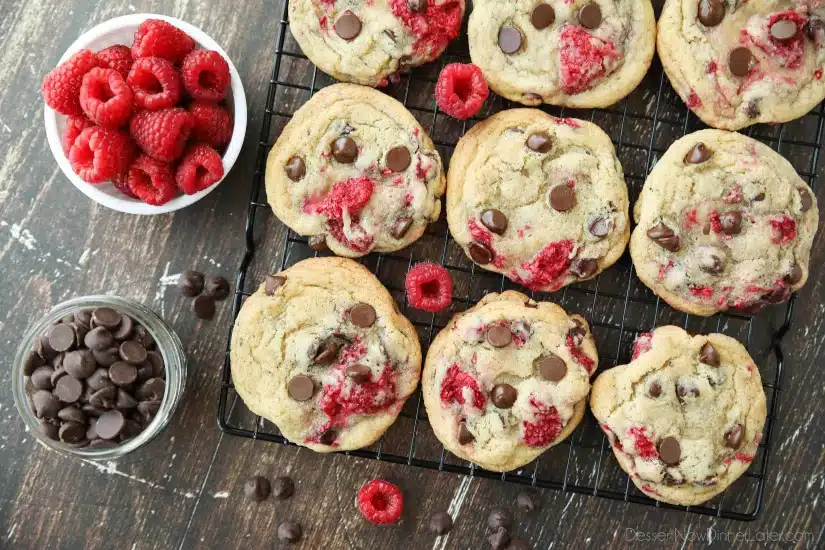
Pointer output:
32, 362
499, 540
740, 61
669, 451
540, 142
509, 39
290, 531
551, 367
464, 434
80, 363
348, 26
300, 387
731, 222
68, 389
584, 268
326, 354
61, 338
204, 307
590, 16
273, 283
41, 378
123, 374
151, 390
257, 488
499, 336
359, 374
398, 159
99, 338
494, 220
283, 487
562, 198
328, 437
46, 405
190, 283
440, 523
734, 436
216, 288
783, 29
698, 154
499, 518
480, 253
318, 243
711, 12
795, 275
345, 150
417, 6
527, 501
503, 396
663, 235
295, 168
600, 226
107, 357
806, 200
709, 356
543, 16
654, 390
401, 227
362, 315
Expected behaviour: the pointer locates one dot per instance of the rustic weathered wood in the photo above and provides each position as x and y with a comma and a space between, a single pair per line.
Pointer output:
183, 490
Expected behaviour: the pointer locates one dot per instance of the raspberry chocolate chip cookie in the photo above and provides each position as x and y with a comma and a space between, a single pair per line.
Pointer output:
366, 42
321, 351
508, 379
537, 198
685, 417
577, 53
737, 63
723, 222
355, 169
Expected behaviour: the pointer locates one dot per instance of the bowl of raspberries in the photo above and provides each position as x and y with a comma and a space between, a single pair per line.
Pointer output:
145, 114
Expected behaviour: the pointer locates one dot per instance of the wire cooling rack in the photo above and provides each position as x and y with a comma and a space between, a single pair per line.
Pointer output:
616, 304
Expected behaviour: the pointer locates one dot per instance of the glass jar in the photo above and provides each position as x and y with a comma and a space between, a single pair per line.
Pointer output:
168, 344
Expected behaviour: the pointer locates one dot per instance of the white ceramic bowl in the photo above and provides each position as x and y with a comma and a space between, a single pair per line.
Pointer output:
121, 30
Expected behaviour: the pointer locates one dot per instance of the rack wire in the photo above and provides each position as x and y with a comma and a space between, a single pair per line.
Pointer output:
617, 305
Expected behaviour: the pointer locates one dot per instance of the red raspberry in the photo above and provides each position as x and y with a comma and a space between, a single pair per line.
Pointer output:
434, 26
74, 126
100, 154
429, 287
784, 230
550, 263
200, 168
61, 87
117, 57
156, 38
206, 75
351, 195
380, 502
583, 58
121, 183
461, 90
152, 181
642, 344
162, 134
644, 446
213, 124
156, 83
106, 98
546, 425
581, 357
452, 388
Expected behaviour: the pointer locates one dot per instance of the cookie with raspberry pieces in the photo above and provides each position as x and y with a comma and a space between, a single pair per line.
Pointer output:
508, 379
724, 222
685, 416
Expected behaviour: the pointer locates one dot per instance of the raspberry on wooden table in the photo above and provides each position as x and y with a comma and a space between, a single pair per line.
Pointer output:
106, 98
429, 287
100, 154
117, 57
61, 87
461, 90
200, 168
206, 75
380, 502
157, 38
162, 134
155, 82
152, 181
213, 124
74, 126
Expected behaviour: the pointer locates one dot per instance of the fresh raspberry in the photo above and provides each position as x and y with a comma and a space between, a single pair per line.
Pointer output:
156, 83
546, 425
152, 181
644, 446
784, 230
206, 75
380, 502
106, 98
453, 385
583, 58
61, 87
642, 344
461, 90
74, 126
156, 38
200, 168
551, 262
100, 154
121, 183
213, 124
429, 287
162, 134
117, 57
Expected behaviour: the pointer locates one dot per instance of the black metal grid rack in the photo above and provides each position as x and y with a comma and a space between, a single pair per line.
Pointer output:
617, 305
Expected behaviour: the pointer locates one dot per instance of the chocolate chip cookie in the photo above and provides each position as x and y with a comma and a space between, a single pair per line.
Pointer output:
321, 351
508, 379
685, 416
538, 198
367, 42
578, 53
354, 169
723, 222
736, 63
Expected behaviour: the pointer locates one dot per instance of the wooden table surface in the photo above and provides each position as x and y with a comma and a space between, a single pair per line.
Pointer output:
183, 490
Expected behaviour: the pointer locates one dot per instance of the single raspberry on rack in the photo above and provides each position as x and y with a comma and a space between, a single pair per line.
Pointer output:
100, 154
162, 134
152, 181
156, 83
74, 126
206, 75
583, 58
200, 168
106, 98
380, 502
213, 123
61, 87
461, 90
117, 57
429, 287
156, 38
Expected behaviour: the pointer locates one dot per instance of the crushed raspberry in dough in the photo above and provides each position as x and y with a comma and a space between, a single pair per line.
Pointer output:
581, 358
784, 230
546, 427
549, 264
642, 344
644, 446
434, 28
452, 388
583, 58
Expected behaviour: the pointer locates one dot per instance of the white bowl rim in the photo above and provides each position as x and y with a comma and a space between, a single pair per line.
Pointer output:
126, 204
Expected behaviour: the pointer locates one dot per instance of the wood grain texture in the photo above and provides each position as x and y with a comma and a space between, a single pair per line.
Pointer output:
183, 489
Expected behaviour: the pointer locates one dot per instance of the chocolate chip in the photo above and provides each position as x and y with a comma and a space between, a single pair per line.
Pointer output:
257, 488
584, 268
543, 16
191, 283
669, 451
283, 487
125, 401
417, 6
806, 200
57, 360
509, 39
71, 414
731, 222
41, 378
577, 333
328, 437
348, 26
391, 35
99, 380
109, 424
709, 356
295, 168
122, 332
401, 227
290, 531
102, 444
58, 372
562, 198
814, 28
590, 16
440, 523
107, 357
72, 432
32, 362
683, 391
499, 336
99, 338
148, 409
759, 197
663, 235
480, 253
344, 150
151, 390
734, 436
46, 405
551, 367
752, 108
318, 243
698, 154
80, 363
527, 501
123, 374
540, 142
43, 348
84, 317
359, 374
464, 434
104, 398
499, 540
654, 390
494, 220
61, 338
740, 61
711, 260
326, 354
362, 315
216, 288
106, 317
142, 335
711, 12
503, 396
68, 389
398, 159
300, 387
600, 226
499, 518
49, 430
133, 352
92, 410
204, 307
783, 29
795, 275
273, 283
